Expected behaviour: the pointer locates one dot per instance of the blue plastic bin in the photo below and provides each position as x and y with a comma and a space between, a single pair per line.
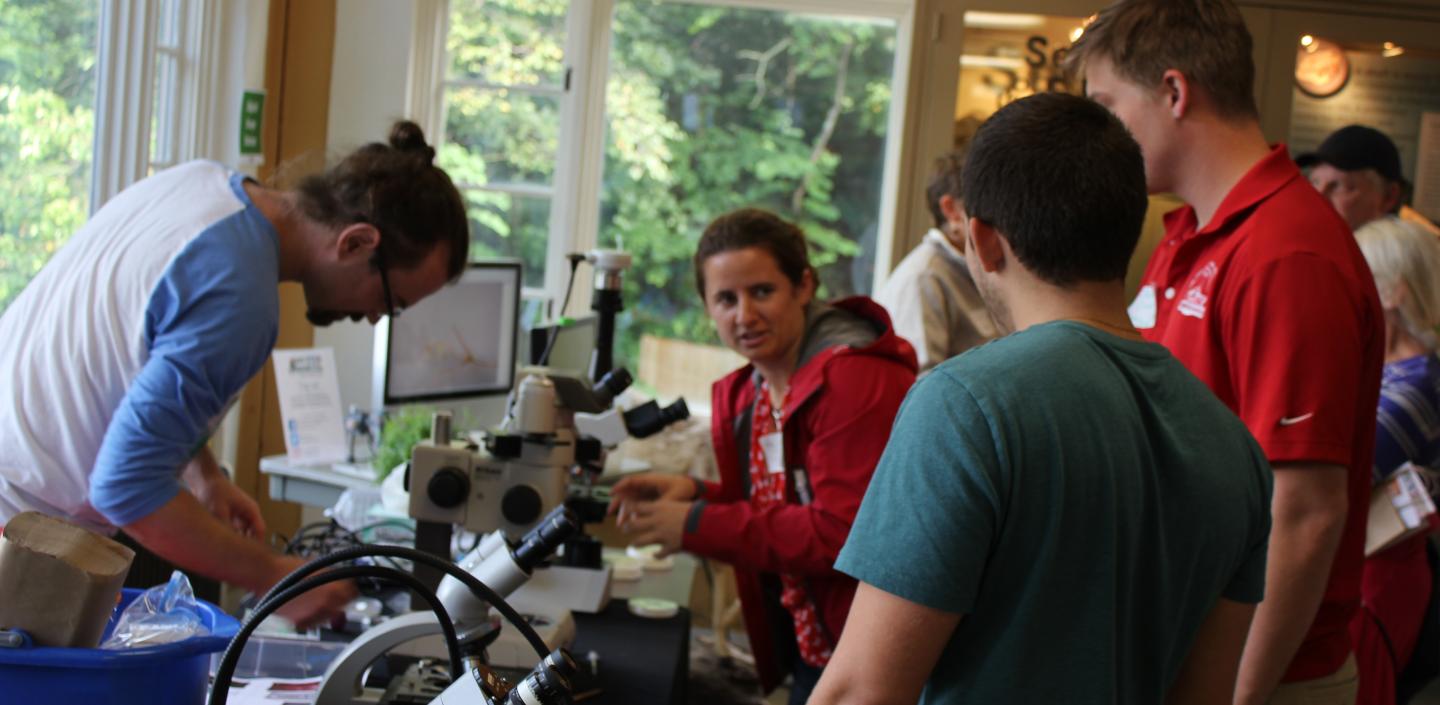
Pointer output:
168, 674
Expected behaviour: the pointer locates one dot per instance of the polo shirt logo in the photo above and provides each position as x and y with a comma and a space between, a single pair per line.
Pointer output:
1197, 291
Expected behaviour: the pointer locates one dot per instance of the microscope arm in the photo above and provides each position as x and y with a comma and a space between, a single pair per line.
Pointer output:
493, 562
343, 680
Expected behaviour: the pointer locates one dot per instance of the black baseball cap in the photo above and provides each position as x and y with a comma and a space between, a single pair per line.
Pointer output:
1357, 147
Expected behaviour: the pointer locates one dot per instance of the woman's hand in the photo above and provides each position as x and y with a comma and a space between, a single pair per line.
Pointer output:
657, 522
650, 487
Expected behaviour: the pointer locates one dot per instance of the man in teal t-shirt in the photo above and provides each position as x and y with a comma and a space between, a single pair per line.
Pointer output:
1065, 514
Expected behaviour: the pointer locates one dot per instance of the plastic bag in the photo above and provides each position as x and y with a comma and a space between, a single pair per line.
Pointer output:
161, 615
352, 510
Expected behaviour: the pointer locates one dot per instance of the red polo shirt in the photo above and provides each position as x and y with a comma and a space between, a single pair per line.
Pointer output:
1273, 306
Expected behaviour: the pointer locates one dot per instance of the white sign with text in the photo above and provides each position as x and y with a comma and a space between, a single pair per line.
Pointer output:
310, 409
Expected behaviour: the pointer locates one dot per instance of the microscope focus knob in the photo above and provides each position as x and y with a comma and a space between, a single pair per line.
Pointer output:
521, 505
447, 488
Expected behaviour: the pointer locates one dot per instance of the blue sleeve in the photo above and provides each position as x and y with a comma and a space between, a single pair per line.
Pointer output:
933, 509
209, 325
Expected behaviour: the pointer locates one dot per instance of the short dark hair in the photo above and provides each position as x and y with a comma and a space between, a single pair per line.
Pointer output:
1063, 182
1206, 40
944, 181
397, 188
753, 227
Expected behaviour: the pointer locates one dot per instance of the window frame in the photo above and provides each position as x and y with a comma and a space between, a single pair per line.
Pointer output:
580, 162
126, 71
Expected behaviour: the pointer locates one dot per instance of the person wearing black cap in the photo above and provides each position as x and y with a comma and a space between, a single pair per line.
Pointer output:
1357, 168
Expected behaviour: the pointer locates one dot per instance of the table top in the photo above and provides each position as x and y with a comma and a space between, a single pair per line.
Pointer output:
341, 475
673, 584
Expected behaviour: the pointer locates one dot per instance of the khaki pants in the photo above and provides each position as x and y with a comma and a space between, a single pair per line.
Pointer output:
1338, 688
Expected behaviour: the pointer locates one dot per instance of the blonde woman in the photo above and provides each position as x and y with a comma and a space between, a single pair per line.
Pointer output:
1395, 589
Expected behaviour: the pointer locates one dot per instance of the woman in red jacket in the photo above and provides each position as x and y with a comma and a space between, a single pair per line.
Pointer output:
797, 434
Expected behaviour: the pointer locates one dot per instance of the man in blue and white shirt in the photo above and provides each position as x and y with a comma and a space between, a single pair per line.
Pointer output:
125, 351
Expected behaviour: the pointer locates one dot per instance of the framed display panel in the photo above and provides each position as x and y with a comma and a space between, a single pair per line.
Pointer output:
459, 342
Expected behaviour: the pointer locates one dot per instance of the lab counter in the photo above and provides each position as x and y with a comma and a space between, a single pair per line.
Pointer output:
313, 485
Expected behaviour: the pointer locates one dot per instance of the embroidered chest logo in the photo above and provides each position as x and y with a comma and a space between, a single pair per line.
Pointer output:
1197, 291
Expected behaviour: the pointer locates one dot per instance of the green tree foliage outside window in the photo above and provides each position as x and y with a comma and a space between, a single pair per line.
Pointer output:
47, 92
711, 109
500, 136
707, 109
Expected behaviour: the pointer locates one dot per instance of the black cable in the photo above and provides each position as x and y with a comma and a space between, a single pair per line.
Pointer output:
273, 600
575, 260
321, 531
481, 590
326, 537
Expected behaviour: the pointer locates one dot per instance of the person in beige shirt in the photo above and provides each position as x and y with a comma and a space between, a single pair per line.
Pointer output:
932, 301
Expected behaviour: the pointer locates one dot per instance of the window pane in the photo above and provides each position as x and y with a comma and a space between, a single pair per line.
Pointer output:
509, 225
709, 109
508, 42
47, 97
507, 136
162, 113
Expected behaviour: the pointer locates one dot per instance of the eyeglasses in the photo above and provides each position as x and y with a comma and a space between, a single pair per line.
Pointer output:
390, 309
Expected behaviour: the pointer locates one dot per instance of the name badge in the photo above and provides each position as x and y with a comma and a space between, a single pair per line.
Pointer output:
1142, 309
773, 446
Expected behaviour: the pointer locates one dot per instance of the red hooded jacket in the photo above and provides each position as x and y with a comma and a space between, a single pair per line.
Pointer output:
853, 374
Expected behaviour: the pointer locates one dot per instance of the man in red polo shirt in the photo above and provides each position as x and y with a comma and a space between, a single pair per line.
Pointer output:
1259, 288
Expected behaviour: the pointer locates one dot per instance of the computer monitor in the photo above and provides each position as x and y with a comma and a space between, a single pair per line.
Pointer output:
574, 344
459, 342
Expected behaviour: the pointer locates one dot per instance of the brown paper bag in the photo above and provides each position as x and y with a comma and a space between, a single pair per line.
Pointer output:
58, 581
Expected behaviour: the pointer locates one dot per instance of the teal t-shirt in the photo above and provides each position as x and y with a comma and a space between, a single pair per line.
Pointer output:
1082, 499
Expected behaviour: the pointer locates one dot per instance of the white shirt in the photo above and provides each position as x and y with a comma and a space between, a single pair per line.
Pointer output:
933, 302
123, 352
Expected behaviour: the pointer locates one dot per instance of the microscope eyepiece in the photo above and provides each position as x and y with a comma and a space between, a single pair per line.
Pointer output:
540, 542
612, 384
649, 419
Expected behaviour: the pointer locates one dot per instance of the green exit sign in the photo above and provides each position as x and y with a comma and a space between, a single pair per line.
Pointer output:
252, 106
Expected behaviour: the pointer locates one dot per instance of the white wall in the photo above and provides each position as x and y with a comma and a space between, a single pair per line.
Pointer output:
367, 95
241, 67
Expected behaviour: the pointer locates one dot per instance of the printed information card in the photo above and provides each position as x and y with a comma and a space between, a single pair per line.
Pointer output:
310, 410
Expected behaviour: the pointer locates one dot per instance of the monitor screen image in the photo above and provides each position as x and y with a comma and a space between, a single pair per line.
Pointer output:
457, 342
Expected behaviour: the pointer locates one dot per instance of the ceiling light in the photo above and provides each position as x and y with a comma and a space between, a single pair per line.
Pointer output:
1003, 20
976, 61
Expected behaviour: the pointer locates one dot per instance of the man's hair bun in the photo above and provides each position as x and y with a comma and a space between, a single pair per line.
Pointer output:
406, 136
